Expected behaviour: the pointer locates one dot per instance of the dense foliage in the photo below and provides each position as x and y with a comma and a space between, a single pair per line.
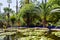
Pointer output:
33, 13
41, 13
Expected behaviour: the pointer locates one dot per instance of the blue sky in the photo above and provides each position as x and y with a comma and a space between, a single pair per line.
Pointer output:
5, 4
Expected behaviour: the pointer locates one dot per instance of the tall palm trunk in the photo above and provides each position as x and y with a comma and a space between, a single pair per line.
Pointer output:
28, 20
8, 15
16, 6
18, 22
8, 19
44, 22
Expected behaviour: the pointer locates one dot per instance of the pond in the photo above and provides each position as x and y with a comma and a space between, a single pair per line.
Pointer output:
6, 35
30, 34
2, 37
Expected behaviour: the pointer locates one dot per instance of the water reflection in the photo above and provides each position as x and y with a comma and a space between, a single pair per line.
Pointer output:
8, 37
2, 37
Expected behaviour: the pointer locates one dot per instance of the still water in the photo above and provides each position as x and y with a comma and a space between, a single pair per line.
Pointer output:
4, 37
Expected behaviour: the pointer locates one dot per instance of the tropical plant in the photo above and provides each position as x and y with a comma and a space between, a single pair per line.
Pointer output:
28, 13
45, 11
7, 13
13, 19
6, 10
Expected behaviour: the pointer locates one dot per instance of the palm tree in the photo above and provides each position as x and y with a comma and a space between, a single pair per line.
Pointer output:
7, 11
24, 3
45, 10
28, 14
0, 6
29, 19
9, 1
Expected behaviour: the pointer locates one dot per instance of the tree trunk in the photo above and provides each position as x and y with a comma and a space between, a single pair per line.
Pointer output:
28, 20
18, 22
44, 22
16, 6
8, 19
